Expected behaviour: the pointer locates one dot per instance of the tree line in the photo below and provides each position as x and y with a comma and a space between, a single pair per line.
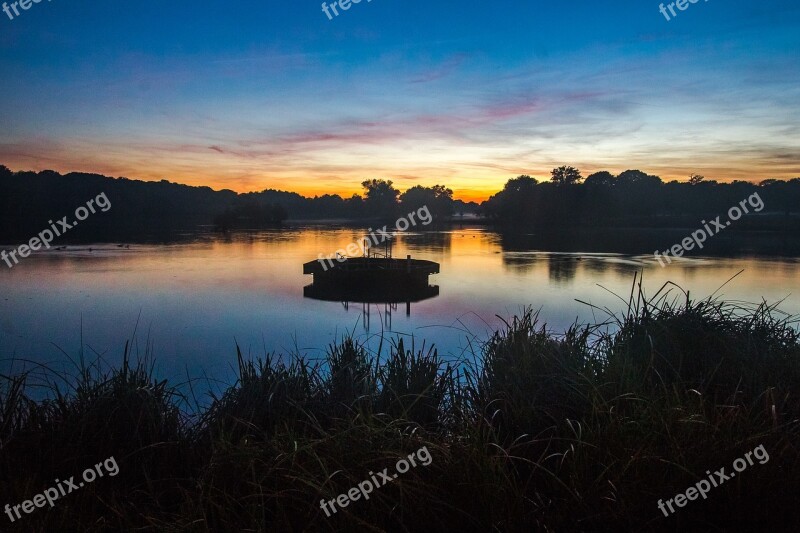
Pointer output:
632, 198
141, 208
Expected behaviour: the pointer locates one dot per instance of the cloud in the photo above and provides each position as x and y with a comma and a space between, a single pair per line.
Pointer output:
441, 71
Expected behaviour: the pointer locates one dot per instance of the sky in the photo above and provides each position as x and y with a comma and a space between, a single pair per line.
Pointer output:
249, 95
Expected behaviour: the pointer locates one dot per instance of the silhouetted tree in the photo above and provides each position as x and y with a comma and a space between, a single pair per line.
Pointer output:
600, 179
355, 206
566, 176
637, 199
156, 209
461, 207
637, 177
513, 205
381, 197
520, 185
438, 198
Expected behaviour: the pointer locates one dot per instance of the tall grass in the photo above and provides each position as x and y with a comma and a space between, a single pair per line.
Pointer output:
270, 398
583, 431
414, 386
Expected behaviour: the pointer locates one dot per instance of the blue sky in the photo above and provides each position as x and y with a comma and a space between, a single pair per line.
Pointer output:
250, 95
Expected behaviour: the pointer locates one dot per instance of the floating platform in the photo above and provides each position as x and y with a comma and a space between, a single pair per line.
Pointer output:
371, 280
372, 271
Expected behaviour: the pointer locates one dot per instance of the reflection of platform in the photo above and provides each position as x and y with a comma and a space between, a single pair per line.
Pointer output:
372, 293
368, 295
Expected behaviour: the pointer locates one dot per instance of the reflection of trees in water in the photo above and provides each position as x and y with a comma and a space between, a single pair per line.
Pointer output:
520, 263
561, 268
438, 241
624, 270
517, 242
595, 265
643, 241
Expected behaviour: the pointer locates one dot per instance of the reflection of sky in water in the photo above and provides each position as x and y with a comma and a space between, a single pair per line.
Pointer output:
195, 300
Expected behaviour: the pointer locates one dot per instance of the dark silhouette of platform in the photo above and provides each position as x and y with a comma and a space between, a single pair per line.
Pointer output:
372, 280
372, 270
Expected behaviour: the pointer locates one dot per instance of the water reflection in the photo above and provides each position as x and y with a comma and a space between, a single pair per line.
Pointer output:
364, 297
193, 294
391, 294
562, 269
638, 241
438, 242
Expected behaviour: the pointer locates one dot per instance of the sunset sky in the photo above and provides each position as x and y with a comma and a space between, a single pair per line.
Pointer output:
248, 95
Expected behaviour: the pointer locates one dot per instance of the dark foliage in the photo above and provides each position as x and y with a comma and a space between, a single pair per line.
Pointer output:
584, 431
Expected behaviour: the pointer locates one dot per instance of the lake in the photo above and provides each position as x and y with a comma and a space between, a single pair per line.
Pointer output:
193, 298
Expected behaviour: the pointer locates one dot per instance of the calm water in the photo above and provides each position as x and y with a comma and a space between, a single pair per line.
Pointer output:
195, 299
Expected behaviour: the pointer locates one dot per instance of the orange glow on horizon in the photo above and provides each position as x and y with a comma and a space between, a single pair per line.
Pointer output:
466, 192
470, 189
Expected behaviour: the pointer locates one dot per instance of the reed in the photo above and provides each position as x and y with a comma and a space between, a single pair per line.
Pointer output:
580, 431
